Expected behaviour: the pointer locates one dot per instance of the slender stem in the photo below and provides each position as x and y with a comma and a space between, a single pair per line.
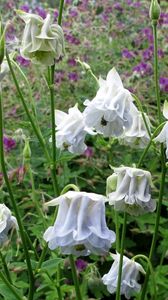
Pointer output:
75, 278
8, 284
33, 123
121, 257
15, 207
162, 158
7, 273
151, 270
68, 187
154, 240
117, 227
60, 11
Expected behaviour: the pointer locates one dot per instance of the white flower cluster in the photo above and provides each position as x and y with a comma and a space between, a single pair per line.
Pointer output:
42, 41
7, 222
111, 113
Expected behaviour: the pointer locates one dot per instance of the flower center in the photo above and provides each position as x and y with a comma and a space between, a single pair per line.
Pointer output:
103, 122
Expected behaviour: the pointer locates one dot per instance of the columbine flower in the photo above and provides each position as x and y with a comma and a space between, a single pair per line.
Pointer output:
80, 227
128, 189
42, 42
137, 135
7, 222
163, 136
130, 274
109, 112
71, 130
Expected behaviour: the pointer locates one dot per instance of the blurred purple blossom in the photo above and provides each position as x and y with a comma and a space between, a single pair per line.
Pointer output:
118, 7
9, 143
137, 4
56, 14
128, 54
81, 264
72, 39
164, 84
41, 12
22, 61
73, 76
143, 69
10, 33
25, 7
72, 62
59, 76
88, 152
73, 12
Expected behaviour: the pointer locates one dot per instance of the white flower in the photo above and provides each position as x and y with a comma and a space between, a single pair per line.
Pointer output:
7, 221
42, 42
163, 136
129, 189
137, 135
110, 111
71, 130
80, 227
130, 274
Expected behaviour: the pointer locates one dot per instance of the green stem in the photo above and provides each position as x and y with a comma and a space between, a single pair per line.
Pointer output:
34, 196
15, 207
121, 257
7, 273
33, 123
61, 6
75, 278
151, 270
162, 158
117, 227
68, 187
8, 284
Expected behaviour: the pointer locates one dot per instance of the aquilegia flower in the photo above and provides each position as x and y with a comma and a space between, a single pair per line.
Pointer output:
7, 222
129, 189
129, 279
71, 130
42, 42
110, 111
163, 135
137, 135
80, 227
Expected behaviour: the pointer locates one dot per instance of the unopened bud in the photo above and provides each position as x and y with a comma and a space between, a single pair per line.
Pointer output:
155, 10
27, 151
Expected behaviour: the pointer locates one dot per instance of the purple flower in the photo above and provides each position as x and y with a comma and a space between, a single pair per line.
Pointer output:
56, 14
81, 264
136, 4
72, 62
164, 84
22, 61
147, 54
41, 12
127, 54
72, 39
10, 33
73, 12
88, 152
73, 76
25, 7
143, 69
9, 143
59, 76
118, 7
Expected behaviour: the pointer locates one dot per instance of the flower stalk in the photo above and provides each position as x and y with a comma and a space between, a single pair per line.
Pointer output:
121, 257
75, 277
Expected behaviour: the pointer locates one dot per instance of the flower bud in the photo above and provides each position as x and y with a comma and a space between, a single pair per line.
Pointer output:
2, 43
155, 10
27, 151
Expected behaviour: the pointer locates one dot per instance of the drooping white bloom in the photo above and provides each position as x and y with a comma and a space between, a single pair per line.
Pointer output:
163, 135
110, 111
7, 221
129, 189
137, 135
80, 227
42, 42
129, 279
71, 130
